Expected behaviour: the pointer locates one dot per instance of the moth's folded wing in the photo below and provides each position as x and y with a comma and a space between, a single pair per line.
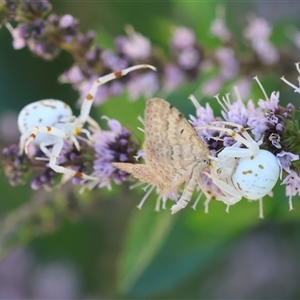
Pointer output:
169, 135
142, 172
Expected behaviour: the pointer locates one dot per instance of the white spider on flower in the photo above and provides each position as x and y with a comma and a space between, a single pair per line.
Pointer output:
248, 172
51, 122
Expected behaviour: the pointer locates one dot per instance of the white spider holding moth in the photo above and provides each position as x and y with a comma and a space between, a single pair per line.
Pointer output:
248, 172
51, 122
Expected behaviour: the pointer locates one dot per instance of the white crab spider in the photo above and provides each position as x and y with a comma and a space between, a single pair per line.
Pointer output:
241, 172
51, 122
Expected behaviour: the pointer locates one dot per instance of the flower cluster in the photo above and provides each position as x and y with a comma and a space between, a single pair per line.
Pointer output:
46, 34
273, 126
115, 144
134, 49
228, 64
69, 156
16, 166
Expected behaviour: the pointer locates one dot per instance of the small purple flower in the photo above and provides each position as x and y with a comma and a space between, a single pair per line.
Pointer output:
189, 58
73, 75
267, 53
16, 166
270, 104
244, 86
219, 29
235, 112
113, 61
212, 86
66, 21
135, 46
258, 126
145, 84
173, 77
258, 32
292, 182
229, 66
114, 145
183, 37
284, 160
17, 33
204, 115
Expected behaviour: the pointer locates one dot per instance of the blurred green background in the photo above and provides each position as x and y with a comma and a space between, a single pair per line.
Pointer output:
62, 244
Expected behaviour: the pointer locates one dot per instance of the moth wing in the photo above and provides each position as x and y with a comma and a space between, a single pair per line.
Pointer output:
142, 172
172, 146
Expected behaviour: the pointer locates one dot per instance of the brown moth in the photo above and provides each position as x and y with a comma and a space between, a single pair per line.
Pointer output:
174, 153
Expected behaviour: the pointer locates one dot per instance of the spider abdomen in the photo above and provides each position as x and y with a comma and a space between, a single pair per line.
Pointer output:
42, 113
256, 176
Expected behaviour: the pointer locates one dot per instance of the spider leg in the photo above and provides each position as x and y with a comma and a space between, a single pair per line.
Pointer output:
261, 211
244, 137
94, 126
43, 147
231, 194
57, 147
48, 130
56, 150
76, 143
23, 140
22, 143
88, 100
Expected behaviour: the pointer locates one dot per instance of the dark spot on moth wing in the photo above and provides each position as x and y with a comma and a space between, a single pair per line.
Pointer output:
181, 131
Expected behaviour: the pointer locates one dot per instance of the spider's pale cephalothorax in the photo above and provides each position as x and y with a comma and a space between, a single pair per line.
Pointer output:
51, 122
241, 172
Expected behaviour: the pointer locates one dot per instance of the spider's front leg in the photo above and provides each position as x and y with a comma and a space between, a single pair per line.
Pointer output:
230, 194
252, 147
88, 100
51, 131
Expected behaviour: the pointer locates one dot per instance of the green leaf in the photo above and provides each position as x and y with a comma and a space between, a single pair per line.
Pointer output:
158, 257
146, 235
